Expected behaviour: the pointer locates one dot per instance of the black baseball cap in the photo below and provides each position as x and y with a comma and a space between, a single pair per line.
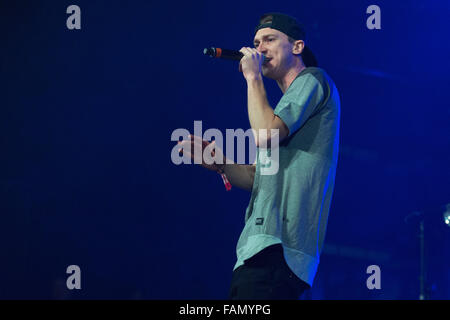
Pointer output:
290, 27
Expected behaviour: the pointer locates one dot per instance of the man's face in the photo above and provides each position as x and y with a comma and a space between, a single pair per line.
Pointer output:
276, 47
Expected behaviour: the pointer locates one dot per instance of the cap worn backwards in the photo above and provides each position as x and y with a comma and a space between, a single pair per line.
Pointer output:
292, 28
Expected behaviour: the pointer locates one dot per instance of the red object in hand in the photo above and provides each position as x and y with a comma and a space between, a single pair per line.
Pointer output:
226, 182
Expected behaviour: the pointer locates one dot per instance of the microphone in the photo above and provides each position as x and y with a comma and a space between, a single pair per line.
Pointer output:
226, 54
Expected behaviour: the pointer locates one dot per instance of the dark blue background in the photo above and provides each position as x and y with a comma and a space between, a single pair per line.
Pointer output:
86, 118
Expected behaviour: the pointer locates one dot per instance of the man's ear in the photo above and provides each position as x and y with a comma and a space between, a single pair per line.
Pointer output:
298, 46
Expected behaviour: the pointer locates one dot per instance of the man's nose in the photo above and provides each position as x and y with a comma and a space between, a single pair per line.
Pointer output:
261, 49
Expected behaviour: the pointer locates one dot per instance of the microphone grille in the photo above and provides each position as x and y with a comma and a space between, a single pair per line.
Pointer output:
209, 52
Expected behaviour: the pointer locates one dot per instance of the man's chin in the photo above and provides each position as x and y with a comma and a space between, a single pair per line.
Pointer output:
267, 73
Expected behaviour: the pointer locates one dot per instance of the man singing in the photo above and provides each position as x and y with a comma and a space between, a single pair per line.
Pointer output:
285, 222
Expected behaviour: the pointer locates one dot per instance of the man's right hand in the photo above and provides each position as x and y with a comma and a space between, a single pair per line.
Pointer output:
187, 147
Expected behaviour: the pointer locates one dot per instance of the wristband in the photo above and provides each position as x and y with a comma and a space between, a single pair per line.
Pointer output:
225, 181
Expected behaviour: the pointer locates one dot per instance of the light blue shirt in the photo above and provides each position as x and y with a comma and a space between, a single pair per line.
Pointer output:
291, 207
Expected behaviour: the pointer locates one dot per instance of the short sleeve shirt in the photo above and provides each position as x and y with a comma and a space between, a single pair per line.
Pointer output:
291, 206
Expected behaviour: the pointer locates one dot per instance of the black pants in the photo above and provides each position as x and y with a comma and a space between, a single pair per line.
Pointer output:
266, 276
